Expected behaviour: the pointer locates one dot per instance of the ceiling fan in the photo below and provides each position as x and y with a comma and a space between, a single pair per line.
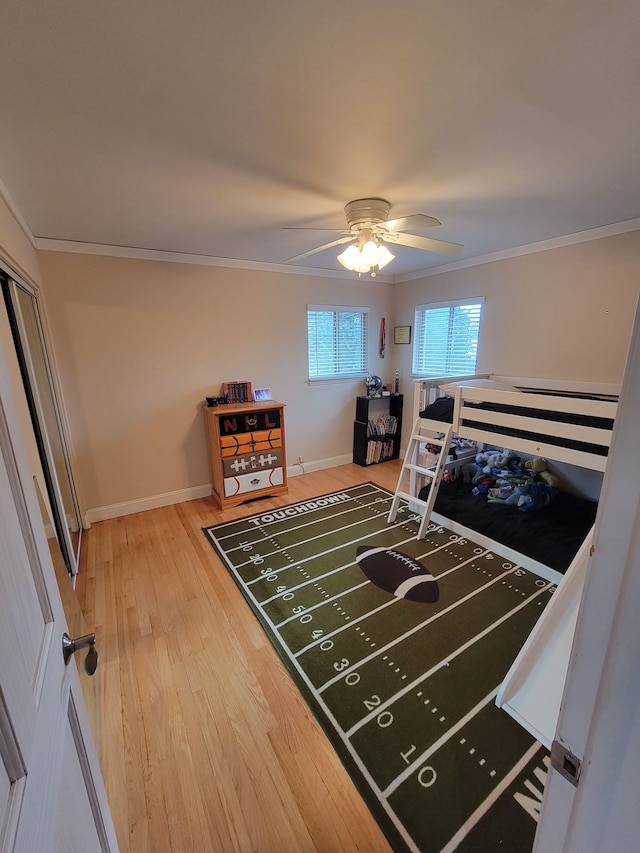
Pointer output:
368, 228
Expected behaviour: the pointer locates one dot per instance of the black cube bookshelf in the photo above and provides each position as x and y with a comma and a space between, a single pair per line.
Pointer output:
377, 429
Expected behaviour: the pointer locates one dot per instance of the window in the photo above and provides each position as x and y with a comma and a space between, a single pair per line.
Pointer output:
337, 340
446, 338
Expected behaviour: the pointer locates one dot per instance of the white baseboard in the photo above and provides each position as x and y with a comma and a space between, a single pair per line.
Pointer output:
102, 513
318, 465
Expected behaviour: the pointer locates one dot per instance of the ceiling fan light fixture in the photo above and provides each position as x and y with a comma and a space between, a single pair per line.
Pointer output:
352, 260
363, 259
384, 257
369, 253
368, 226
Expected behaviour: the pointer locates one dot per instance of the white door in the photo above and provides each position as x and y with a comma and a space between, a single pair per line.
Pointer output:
599, 720
52, 797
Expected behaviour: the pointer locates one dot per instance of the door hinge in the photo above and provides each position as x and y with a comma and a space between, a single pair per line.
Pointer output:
565, 762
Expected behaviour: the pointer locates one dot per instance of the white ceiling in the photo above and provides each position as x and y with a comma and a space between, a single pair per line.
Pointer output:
205, 127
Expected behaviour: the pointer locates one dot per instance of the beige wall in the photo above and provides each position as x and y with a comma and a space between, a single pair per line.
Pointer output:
15, 247
140, 343
564, 313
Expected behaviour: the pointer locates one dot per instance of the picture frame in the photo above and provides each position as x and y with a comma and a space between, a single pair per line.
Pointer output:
262, 394
402, 334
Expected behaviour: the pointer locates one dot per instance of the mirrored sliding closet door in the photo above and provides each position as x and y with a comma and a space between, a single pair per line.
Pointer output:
35, 369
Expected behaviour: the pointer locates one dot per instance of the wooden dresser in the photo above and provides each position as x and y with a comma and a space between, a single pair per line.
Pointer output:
246, 451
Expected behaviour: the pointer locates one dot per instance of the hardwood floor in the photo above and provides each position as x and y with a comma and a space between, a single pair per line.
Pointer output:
204, 741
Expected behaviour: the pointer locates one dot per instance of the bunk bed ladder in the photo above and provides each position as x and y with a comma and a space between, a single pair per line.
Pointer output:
417, 473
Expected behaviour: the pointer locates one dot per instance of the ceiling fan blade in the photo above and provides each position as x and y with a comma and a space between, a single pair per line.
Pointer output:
411, 223
326, 230
320, 249
424, 243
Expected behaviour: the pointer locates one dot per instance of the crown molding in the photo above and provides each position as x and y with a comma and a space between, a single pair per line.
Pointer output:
529, 249
47, 244
75, 247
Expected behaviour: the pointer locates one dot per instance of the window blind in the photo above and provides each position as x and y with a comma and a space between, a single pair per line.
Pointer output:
446, 338
337, 341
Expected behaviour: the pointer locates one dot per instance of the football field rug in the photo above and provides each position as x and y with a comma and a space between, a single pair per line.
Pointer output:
399, 646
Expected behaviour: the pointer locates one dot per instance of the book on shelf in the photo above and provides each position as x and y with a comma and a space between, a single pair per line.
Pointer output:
383, 425
377, 451
237, 392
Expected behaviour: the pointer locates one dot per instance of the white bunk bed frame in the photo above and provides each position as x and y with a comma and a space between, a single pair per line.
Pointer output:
491, 429
562, 397
532, 689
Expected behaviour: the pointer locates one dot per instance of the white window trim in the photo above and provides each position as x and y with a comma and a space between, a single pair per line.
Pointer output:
451, 303
448, 303
342, 308
343, 377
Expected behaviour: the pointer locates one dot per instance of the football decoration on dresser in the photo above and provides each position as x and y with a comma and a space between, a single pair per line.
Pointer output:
398, 574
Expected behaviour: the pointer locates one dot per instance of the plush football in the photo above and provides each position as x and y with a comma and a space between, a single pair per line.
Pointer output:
397, 573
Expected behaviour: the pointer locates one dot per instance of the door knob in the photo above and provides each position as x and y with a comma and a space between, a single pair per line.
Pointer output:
70, 646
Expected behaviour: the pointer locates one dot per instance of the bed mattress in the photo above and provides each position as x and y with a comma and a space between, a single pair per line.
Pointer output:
551, 535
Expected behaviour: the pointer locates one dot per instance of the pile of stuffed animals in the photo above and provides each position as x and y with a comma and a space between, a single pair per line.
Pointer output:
507, 479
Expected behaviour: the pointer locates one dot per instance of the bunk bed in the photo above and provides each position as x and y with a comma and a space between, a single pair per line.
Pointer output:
568, 424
